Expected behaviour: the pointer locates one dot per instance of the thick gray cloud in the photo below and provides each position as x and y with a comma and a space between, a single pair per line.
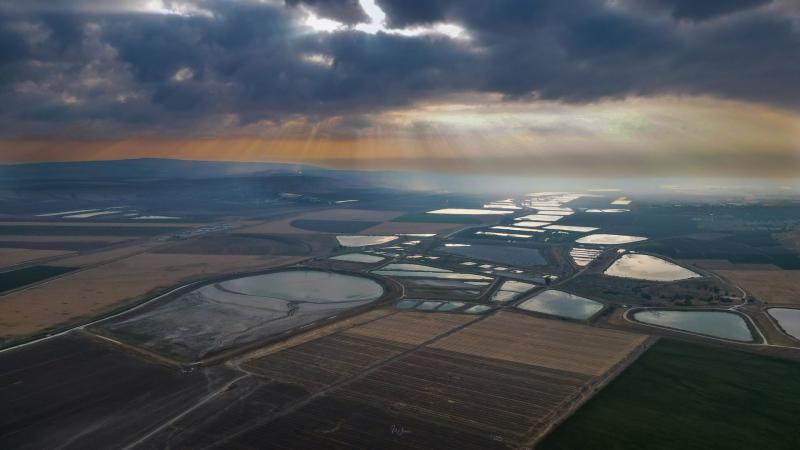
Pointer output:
707, 9
118, 67
346, 11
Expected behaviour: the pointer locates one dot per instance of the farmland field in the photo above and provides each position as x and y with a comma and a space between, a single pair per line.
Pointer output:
22, 277
333, 226
541, 342
688, 396
299, 317
411, 227
345, 214
410, 328
9, 240
54, 391
740, 248
13, 256
54, 245
769, 286
107, 287
242, 244
437, 218
310, 365
78, 230
327, 220
413, 380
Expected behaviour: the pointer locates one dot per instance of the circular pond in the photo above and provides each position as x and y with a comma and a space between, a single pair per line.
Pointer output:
306, 286
242, 310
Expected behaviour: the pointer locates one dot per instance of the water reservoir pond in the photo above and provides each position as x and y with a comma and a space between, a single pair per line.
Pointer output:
477, 309
470, 211
414, 267
449, 306
363, 241
498, 254
407, 304
426, 274
428, 306
510, 290
721, 324
242, 310
562, 304
358, 257
646, 267
788, 319
609, 239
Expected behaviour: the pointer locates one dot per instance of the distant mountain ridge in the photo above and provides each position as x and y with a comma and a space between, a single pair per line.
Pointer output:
181, 169
146, 168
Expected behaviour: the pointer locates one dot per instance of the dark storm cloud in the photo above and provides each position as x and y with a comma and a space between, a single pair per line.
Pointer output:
410, 12
119, 66
706, 9
12, 47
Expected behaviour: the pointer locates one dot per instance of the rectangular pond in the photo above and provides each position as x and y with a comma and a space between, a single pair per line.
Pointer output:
499, 254
609, 239
470, 211
561, 304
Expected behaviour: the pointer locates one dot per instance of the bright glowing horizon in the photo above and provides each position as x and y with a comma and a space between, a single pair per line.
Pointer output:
622, 88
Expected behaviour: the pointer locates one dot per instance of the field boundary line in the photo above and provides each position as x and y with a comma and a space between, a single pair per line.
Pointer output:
573, 404
336, 385
186, 412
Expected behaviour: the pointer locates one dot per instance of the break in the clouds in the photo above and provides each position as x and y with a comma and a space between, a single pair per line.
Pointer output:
336, 69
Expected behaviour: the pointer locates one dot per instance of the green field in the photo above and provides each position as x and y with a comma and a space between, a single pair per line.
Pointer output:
688, 396
22, 277
436, 218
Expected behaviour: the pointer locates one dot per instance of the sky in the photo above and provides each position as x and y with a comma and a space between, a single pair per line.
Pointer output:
579, 87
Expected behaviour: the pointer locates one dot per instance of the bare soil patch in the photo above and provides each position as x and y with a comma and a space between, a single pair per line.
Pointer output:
724, 264
333, 226
768, 286
411, 227
242, 245
59, 238
410, 327
13, 256
89, 293
548, 343
357, 216
353, 214
102, 256
129, 224
311, 366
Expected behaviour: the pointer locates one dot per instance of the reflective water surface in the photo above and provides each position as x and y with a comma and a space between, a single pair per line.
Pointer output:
788, 319
647, 267
562, 304
721, 324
